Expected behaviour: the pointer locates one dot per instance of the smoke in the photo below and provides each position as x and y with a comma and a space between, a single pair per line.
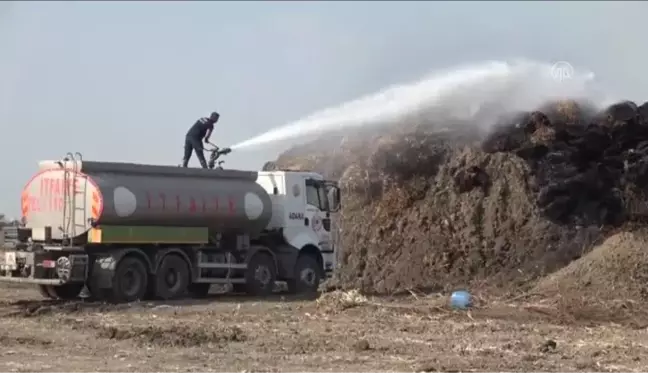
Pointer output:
481, 92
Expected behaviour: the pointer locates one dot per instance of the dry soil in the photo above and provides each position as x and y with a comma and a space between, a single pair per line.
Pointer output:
338, 332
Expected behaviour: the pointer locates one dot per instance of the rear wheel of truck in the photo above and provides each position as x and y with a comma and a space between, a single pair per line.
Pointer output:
260, 275
130, 280
308, 276
172, 278
239, 288
63, 292
67, 291
199, 290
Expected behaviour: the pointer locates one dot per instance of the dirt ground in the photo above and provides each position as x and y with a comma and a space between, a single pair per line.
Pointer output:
339, 331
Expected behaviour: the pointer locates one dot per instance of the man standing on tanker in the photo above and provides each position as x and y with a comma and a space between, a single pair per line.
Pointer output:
202, 129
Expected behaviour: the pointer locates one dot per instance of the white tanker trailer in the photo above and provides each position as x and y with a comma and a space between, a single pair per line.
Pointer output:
132, 231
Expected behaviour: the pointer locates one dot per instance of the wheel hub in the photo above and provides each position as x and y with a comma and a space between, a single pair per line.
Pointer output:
171, 278
307, 276
262, 274
131, 282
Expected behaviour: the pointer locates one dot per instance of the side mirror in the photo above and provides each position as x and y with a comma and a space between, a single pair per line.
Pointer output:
333, 194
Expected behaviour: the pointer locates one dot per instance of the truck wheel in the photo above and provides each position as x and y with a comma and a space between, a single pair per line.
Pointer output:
63, 292
199, 290
239, 288
172, 277
308, 276
129, 280
260, 275
67, 291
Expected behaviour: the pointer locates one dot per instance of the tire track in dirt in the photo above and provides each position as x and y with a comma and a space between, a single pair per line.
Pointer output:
92, 317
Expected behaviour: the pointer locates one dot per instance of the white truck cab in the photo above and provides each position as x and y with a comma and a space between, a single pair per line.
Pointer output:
302, 203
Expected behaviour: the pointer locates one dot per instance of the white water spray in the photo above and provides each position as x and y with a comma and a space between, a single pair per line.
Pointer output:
456, 94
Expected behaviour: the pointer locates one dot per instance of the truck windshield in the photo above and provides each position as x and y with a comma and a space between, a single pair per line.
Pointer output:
316, 195
323, 197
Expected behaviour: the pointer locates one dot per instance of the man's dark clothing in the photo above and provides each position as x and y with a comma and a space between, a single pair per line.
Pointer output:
191, 145
193, 141
199, 129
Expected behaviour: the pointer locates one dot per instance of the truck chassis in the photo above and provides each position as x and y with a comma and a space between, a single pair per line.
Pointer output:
118, 273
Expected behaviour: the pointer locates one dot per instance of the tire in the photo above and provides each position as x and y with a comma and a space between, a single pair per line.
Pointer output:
260, 275
63, 292
130, 281
172, 278
199, 290
239, 288
308, 275
67, 291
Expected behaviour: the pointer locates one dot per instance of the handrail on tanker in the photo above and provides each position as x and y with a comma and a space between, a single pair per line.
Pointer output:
71, 171
68, 211
153, 169
68, 229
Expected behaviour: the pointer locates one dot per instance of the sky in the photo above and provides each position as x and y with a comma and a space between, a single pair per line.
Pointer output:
123, 81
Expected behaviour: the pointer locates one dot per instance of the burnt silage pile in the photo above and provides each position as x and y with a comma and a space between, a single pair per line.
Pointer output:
431, 208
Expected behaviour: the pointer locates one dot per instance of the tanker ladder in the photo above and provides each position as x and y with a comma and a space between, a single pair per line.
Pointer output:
70, 195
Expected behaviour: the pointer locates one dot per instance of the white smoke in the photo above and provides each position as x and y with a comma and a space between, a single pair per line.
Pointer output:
459, 93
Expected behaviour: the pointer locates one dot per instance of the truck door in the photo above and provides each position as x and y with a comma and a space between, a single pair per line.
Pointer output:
317, 213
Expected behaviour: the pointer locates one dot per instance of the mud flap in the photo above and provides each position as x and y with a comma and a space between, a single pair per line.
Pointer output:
104, 266
286, 258
102, 272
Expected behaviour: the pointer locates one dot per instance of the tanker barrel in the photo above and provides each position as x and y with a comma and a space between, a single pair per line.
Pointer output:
90, 167
126, 194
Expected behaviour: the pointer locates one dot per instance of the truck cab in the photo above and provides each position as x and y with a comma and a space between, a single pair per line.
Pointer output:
302, 208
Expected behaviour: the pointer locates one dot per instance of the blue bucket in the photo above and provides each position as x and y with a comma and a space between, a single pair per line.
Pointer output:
461, 300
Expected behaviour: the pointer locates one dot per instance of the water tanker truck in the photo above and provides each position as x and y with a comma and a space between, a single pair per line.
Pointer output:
133, 231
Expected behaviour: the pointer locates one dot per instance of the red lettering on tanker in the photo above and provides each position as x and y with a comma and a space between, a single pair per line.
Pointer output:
192, 203
50, 197
163, 199
231, 205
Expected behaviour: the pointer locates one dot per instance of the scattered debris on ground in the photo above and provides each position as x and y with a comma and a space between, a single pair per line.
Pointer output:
415, 332
341, 300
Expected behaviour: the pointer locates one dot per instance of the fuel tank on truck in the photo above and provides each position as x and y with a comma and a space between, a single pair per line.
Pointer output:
69, 198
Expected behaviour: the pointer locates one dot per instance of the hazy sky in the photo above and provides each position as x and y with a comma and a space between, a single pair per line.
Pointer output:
122, 81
